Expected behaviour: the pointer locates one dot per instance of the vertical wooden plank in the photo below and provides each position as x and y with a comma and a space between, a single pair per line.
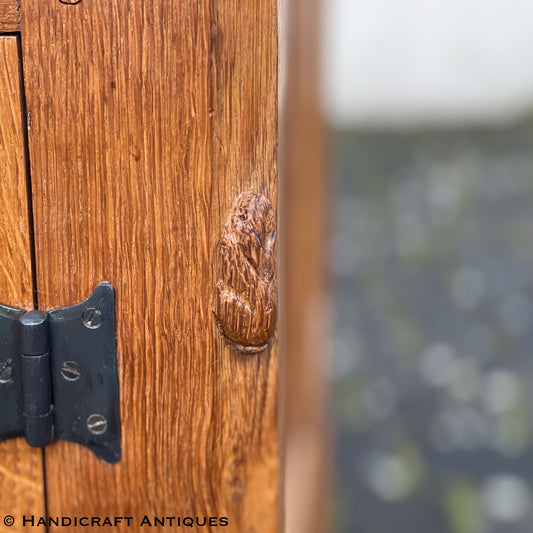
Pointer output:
307, 312
148, 120
21, 475
244, 82
9, 16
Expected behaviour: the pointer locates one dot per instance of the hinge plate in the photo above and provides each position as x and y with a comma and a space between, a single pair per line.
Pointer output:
83, 368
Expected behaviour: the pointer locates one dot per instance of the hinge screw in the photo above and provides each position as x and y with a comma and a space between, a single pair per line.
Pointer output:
6, 372
92, 318
70, 370
97, 424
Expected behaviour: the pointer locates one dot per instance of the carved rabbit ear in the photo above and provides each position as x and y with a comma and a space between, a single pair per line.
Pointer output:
245, 298
252, 228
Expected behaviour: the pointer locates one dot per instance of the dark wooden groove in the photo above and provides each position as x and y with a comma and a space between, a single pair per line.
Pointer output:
26, 149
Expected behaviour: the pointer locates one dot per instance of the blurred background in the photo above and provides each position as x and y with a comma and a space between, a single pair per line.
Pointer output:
426, 116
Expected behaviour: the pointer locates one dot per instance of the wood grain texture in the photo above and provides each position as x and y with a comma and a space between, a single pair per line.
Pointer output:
306, 309
9, 16
147, 120
21, 475
245, 299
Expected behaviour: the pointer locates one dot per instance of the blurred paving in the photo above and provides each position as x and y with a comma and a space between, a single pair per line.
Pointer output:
432, 258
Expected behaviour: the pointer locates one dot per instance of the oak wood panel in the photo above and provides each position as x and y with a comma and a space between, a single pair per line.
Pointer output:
9, 16
148, 119
307, 310
21, 475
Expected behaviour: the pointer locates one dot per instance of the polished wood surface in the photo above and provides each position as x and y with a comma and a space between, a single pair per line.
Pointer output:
21, 473
9, 16
307, 309
147, 121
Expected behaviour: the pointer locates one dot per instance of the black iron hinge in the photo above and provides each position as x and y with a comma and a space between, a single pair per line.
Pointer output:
58, 374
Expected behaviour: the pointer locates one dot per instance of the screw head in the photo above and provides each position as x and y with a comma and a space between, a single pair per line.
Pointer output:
92, 318
70, 370
97, 424
6, 371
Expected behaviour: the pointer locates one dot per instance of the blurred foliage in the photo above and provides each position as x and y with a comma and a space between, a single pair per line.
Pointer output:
432, 259
462, 501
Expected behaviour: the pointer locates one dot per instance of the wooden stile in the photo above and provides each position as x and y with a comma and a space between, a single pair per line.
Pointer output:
21, 472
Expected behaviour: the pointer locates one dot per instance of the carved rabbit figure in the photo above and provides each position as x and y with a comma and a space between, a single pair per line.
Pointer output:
245, 300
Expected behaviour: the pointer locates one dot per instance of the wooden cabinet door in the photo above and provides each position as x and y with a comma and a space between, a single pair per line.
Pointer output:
152, 164
21, 467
